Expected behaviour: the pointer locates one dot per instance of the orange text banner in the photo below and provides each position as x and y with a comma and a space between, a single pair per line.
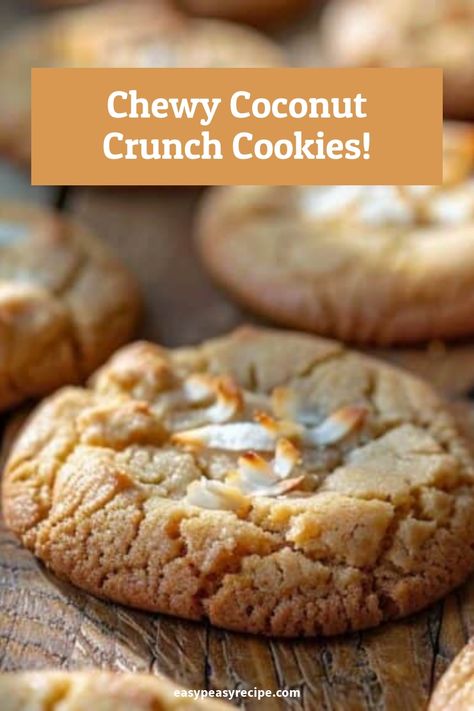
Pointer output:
236, 126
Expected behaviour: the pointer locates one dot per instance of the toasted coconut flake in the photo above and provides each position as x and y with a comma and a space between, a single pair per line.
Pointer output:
198, 388
235, 437
266, 485
259, 477
286, 458
337, 426
254, 471
229, 401
210, 494
285, 486
279, 428
202, 389
254, 462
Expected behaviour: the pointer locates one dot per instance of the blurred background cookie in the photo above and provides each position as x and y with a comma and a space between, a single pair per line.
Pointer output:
65, 303
403, 33
94, 689
368, 264
31, 46
455, 690
253, 12
114, 34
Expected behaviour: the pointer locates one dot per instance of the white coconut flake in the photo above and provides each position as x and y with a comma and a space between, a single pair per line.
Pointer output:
337, 426
328, 202
235, 436
382, 205
211, 494
453, 208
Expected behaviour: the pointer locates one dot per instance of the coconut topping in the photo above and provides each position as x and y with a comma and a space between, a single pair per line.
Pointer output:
210, 494
254, 476
261, 435
282, 431
223, 398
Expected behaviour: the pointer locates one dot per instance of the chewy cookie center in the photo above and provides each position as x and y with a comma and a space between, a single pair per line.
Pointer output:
245, 444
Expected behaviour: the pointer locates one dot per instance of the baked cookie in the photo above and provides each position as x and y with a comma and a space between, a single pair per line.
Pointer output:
100, 690
406, 33
252, 12
369, 264
116, 34
455, 690
269, 481
18, 54
65, 303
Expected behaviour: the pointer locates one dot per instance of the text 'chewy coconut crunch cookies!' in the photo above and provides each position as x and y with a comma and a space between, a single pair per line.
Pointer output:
98, 690
372, 264
271, 482
65, 302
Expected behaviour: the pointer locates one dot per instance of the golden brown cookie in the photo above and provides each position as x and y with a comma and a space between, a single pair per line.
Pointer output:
98, 690
65, 303
370, 264
252, 12
115, 34
269, 481
455, 690
406, 33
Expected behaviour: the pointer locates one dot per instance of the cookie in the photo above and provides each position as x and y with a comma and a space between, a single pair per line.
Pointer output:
18, 54
65, 303
371, 264
271, 482
116, 34
405, 33
252, 12
104, 690
455, 690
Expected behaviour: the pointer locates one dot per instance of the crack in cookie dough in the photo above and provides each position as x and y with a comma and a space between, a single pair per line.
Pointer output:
336, 493
58, 289
371, 264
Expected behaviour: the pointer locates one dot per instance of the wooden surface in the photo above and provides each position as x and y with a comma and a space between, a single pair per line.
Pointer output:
47, 623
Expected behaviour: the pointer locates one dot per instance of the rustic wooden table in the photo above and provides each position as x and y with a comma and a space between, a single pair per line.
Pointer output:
45, 622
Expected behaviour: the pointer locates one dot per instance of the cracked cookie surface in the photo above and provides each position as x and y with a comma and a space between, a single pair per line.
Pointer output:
370, 264
65, 303
99, 690
269, 481
116, 34
455, 690
402, 33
